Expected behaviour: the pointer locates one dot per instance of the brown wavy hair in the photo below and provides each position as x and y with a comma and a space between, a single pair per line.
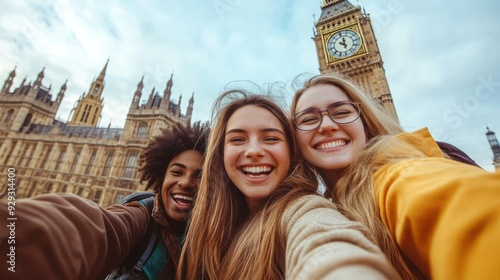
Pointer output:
224, 241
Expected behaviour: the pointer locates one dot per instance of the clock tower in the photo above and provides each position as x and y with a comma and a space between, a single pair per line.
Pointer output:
346, 44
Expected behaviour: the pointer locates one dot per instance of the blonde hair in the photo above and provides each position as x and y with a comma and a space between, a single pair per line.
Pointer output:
223, 240
354, 191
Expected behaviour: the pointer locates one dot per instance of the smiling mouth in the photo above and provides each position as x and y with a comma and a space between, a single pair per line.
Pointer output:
330, 145
183, 200
256, 171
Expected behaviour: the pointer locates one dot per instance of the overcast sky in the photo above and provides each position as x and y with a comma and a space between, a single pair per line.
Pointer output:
441, 58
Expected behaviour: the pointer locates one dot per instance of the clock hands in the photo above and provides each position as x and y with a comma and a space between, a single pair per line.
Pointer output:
343, 43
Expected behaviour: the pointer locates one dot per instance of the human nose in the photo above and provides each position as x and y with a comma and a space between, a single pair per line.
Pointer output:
254, 149
327, 122
186, 182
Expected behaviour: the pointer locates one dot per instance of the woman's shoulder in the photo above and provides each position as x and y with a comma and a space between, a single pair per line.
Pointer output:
310, 201
311, 209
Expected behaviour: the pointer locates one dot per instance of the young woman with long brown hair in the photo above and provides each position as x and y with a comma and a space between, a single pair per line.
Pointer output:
257, 214
433, 217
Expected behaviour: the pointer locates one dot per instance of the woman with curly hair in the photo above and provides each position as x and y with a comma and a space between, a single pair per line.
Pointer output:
64, 236
171, 166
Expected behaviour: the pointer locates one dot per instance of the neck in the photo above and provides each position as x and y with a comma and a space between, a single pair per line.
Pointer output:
176, 226
254, 206
330, 177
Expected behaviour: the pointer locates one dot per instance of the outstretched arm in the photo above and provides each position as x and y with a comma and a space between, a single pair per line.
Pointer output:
63, 236
444, 215
323, 244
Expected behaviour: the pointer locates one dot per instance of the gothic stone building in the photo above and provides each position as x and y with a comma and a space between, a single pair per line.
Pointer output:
98, 163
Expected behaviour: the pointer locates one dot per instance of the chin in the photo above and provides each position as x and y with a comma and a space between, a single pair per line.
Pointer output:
334, 166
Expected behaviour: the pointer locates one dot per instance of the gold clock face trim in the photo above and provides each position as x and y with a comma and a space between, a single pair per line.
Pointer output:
344, 43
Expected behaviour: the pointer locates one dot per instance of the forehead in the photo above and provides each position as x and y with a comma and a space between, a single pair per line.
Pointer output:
320, 96
188, 158
253, 117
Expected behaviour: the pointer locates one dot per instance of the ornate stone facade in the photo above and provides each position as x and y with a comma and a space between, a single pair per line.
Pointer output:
98, 163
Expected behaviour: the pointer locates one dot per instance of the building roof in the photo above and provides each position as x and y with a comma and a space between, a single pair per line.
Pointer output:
334, 9
76, 131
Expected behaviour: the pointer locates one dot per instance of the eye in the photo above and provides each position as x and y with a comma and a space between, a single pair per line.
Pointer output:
342, 110
271, 139
176, 172
341, 113
236, 140
307, 118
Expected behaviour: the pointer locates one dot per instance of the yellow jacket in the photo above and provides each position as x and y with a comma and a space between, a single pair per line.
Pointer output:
444, 215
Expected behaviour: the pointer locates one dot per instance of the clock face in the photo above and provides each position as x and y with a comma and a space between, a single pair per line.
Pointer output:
344, 43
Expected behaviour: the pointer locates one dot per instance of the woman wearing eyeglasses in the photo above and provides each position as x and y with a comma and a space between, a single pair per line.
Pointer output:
433, 217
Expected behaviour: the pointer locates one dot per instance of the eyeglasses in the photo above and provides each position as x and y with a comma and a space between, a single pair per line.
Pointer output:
339, 112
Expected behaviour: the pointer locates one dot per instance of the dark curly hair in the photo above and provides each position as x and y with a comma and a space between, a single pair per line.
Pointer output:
155, 157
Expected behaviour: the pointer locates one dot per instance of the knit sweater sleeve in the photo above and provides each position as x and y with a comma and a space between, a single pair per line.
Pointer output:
323, 244
66, 237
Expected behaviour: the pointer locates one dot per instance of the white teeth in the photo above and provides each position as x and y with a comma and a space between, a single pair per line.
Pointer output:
330, 145
178, 196
257, 169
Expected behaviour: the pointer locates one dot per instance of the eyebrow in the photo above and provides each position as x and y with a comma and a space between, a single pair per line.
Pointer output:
178, 165
238, 130
334, 104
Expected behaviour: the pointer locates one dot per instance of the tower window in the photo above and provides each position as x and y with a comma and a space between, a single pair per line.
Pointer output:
91, 162
9, 116
97, 195
75, 160
142, 131
130, 167
48, 148
107, 165
60, 159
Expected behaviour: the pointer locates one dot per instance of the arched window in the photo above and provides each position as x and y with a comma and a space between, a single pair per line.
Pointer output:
130, 165
9, 116
142, 131
27, 120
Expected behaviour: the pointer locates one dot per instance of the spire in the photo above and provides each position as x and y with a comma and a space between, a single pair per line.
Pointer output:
150, 99
495, 147
189, 111
137, 95
168, 90
170, 82
331, 2
41, 74
103, 72
8, 82
178, 111
38, 83
60, 95
141, 83
13, 73
334, 8
191, 100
